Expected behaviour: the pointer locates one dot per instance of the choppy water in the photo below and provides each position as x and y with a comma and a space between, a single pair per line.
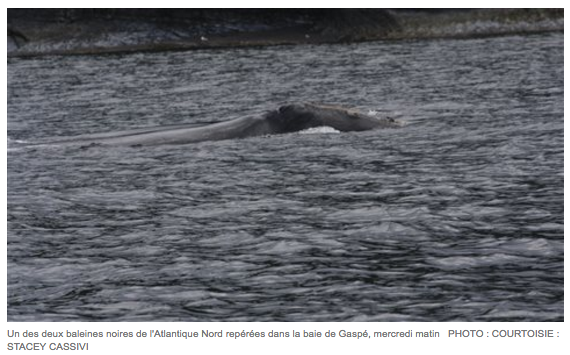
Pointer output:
456, 217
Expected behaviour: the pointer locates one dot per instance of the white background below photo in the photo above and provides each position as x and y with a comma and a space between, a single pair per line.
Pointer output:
259, 338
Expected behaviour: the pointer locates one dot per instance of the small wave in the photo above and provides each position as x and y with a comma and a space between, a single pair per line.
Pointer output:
319, 130
461, 262
16, 141
14, 144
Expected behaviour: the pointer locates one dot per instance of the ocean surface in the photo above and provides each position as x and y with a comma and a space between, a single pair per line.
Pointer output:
457, 216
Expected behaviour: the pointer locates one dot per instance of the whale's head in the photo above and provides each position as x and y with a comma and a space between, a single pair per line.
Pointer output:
295, 117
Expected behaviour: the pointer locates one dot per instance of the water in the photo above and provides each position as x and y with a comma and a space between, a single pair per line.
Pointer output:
458, 216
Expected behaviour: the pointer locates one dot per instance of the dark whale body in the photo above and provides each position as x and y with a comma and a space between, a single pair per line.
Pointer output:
288, 118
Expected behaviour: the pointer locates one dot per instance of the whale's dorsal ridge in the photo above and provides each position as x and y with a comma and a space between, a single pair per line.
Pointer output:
287, 118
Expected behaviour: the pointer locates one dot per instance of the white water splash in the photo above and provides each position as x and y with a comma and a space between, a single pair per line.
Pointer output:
319, 130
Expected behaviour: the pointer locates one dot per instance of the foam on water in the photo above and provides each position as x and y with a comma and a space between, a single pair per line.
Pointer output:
319, 130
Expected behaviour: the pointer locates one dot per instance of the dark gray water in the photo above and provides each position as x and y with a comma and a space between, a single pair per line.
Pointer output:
458, 216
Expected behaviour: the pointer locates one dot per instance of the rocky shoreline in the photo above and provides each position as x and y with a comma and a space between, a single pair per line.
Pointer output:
37, 32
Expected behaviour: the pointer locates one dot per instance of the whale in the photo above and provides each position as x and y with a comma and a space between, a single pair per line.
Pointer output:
286, 119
